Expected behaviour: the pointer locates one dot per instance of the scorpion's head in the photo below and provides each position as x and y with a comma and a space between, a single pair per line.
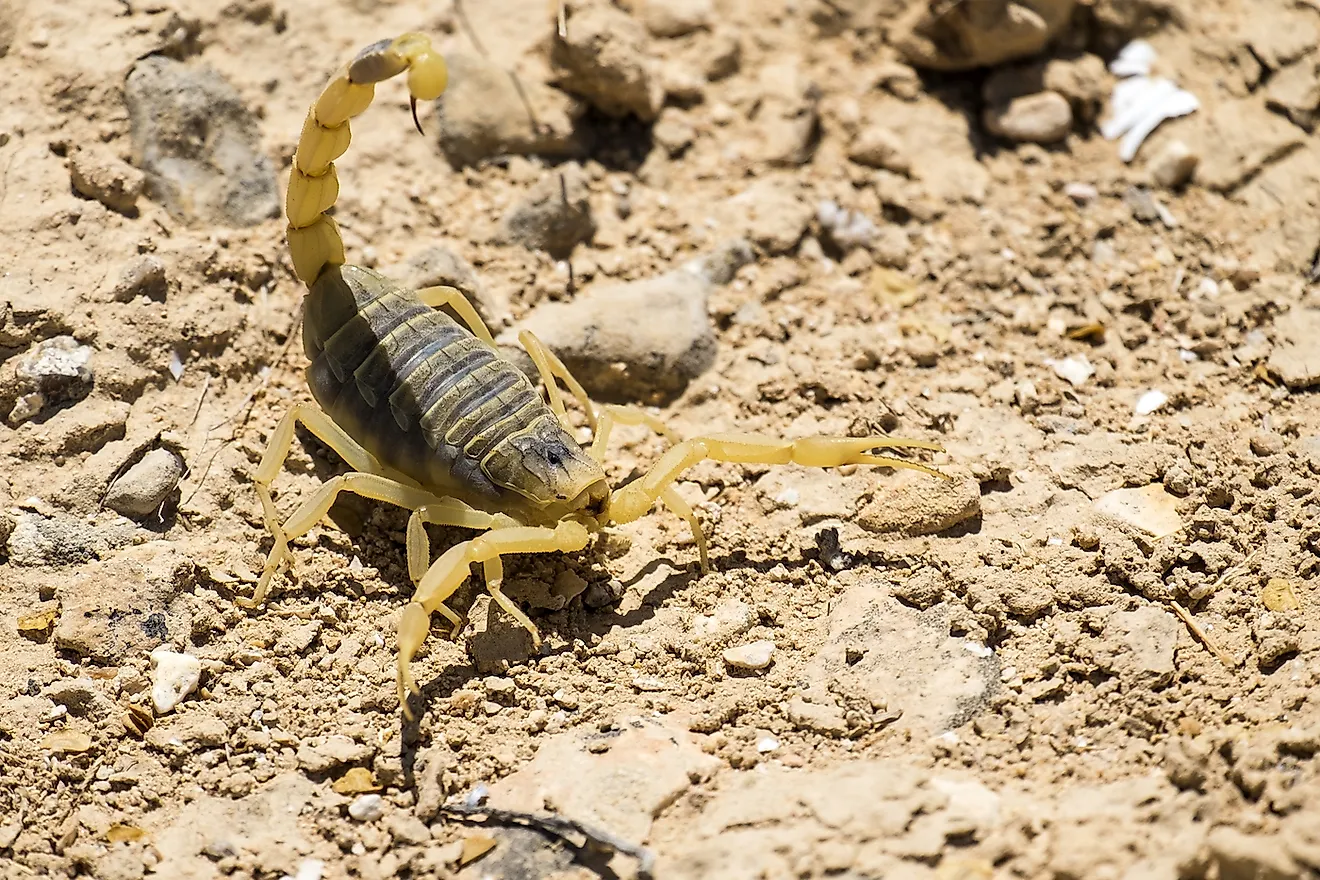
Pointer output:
544, 465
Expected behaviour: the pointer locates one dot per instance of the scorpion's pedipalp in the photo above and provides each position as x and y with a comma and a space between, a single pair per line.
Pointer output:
636, 498
314, 240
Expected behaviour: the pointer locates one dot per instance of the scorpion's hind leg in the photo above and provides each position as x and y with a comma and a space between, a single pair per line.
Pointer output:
452, 568
272, 462
451, 297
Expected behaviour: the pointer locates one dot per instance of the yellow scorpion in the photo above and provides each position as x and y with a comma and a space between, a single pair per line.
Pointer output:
431, 417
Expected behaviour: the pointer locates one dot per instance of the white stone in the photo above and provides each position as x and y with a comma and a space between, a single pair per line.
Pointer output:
174, 677
1075, 370
756, 655
367, 808
1150, 402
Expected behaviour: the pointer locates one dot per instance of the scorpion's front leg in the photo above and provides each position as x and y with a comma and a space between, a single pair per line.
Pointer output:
452, 568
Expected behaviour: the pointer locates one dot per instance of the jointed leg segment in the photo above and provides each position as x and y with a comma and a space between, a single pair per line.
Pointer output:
453, 567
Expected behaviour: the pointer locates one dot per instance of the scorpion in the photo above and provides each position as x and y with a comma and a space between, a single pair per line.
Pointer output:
429, 415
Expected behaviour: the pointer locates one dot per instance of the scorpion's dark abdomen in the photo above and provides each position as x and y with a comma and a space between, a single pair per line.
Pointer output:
411, 384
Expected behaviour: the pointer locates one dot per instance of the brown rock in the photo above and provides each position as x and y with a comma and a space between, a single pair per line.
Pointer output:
100, 176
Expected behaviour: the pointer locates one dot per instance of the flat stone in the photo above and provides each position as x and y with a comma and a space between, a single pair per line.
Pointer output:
620, 358
770, 213
647, 767
1139, 645
913, 503
335, 752
754, 656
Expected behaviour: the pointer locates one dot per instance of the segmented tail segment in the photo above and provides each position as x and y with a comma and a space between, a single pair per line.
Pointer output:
314, 240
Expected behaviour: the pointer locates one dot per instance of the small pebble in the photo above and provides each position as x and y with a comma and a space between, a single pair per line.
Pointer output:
1150, 402
144, 276
767, 744
105, 178
174, 677
1042, 118
1173, 165
367, 808
754, 656
1075, 370
145, 486
1081, 193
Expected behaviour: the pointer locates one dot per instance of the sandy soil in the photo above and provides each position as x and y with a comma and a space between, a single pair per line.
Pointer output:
1016, 673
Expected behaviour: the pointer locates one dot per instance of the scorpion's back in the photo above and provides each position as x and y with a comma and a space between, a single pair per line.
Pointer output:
413, 386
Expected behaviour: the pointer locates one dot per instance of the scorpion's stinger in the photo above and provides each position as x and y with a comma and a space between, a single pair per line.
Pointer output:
314, 240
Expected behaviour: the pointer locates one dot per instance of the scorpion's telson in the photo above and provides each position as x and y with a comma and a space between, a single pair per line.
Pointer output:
430, 416
313, 185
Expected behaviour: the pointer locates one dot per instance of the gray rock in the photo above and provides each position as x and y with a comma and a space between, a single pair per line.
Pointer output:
555, 215
144, 276
199, 144
485, 113
59, 368
1042, 118
607, 59
38, 540
632, 341
144, 487
900, 661
103, 177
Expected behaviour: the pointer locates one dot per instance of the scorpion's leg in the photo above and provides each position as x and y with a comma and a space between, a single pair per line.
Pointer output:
632, 501
444, 295
445, 512
550, 366
452, 568
277, 450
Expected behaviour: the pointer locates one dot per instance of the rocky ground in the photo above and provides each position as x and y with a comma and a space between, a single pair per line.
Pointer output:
1090, 654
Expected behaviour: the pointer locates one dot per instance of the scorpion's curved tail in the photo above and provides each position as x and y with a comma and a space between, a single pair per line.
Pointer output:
314, 241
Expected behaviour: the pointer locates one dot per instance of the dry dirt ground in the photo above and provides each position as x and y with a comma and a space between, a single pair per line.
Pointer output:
1012, 674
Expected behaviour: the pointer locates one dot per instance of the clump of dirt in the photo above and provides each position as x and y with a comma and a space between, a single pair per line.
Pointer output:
1092, 653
